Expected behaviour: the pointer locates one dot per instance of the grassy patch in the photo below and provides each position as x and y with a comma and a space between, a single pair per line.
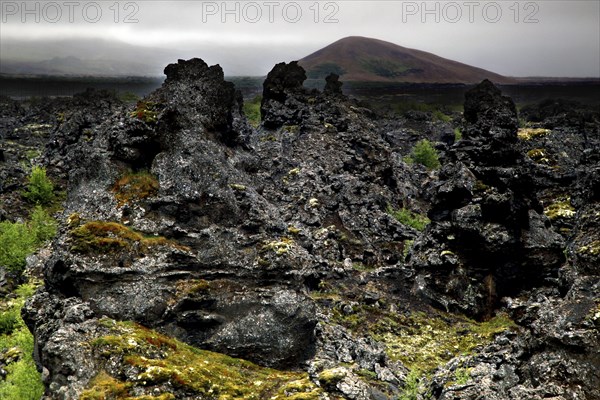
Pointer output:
409, 218
135, 186
101, 237
22, 382
159, 361
252, 110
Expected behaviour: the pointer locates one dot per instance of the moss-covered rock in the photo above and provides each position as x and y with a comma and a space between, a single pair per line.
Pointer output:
102, 237
141, 364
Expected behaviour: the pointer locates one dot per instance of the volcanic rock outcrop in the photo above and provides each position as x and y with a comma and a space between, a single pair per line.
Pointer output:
288, 245
489, 237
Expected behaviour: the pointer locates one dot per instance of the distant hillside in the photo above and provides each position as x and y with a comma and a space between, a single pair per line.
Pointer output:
370, 60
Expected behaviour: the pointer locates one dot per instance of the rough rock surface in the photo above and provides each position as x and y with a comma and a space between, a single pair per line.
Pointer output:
489, 237
277, 244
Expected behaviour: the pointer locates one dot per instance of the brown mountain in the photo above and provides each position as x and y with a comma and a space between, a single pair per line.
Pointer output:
358, 58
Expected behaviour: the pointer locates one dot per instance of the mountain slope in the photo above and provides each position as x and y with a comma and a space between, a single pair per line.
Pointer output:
363, 59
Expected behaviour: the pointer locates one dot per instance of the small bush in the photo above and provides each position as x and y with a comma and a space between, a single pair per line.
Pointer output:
22, 380
40, 189
16, 243
42, 226
18, 240
411, 386
145, 111
425, 154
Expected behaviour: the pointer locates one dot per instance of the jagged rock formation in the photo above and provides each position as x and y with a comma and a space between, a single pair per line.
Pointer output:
277, 245
489, 237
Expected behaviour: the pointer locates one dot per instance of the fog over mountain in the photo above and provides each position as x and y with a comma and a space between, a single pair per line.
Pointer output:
544, 38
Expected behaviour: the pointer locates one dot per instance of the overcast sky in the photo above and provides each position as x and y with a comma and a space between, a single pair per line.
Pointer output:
517, 38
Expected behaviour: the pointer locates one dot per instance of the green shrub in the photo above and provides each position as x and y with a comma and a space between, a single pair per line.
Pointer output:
16, 243
42, 226
9, 320
40, 189
22, 381
411, 386
252, 110
409, 218
18, 240
425, 154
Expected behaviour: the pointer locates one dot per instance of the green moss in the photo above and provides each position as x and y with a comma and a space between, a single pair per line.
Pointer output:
422, 341
103, 237
329, 378
135, 186
157, 360
409, 218
561, 208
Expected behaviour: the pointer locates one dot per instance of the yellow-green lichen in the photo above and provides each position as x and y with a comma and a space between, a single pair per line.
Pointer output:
540, 156
159, 361
293, 230
561, 208
592, 248
422, 341
238, 187
531, 133
279, 247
